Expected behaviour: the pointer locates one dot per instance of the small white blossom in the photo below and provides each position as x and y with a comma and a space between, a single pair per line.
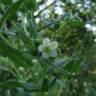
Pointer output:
34, 61
48, 48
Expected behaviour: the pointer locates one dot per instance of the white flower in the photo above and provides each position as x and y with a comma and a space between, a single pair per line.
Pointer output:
48, 48
34, 61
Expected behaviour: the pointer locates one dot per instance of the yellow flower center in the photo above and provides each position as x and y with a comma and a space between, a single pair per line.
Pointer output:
47, 49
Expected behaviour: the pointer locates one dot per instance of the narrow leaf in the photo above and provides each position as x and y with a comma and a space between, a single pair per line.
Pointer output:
11, 11
10, 84
15, 55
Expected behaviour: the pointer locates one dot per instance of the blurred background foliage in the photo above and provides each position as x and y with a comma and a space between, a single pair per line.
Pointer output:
23, 25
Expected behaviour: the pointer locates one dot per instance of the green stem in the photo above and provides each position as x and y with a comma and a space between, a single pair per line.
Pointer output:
19, 76
60, 90
5, 40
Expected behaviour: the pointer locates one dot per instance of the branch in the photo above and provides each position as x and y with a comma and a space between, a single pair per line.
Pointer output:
54, 22
44, 9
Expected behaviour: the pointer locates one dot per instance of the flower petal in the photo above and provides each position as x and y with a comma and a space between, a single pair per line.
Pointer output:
53, 45
46, 42
40, 48
45, 55
53, 53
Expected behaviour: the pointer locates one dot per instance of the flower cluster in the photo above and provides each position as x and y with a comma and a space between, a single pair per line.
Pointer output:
48, 48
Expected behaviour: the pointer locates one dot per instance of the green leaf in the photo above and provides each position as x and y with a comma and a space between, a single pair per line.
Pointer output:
11, 11
33, 28
27, 40
16, 56
22, 92
73, 67
45, 84
76, 23
10, 84
30, 87
7, 2
30, 4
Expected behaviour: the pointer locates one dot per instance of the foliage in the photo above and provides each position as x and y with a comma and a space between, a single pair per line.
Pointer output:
24, 25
